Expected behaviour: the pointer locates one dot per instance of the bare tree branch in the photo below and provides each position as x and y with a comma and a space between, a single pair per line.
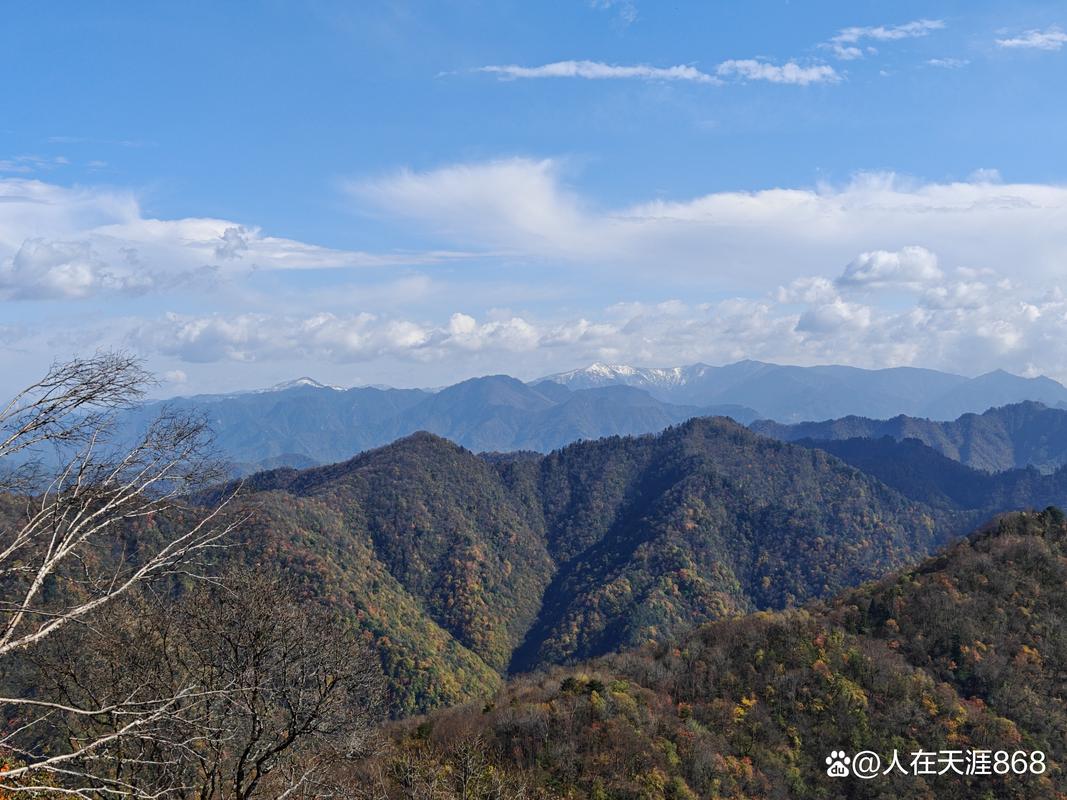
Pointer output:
106, 519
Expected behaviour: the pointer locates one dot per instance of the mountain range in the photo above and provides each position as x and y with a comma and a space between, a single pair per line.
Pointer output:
464, 568
702, 611
793, 394
302, 423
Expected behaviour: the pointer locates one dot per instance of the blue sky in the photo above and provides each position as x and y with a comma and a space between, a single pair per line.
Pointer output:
414, 193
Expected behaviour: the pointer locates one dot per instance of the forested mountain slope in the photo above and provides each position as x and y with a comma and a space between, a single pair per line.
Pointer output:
964, 652
462, 567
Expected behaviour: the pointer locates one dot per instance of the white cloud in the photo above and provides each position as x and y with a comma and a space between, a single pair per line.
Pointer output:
746, 69
65, 243
965, 320
515, 203
1052, 38
790, 72
845, 52
909, 268
948, 63
846, 44
325, 336
731, 240
888, 33
42, 268
596, 70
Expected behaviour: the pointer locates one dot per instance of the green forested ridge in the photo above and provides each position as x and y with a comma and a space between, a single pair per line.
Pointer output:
966, 651
462, 567
704, 521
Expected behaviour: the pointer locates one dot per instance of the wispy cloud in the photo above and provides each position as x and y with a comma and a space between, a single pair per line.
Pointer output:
625, 10
31, 163
597, 70
948, 63
889, 33
846, 45
790, 72
1052, 38
747, 69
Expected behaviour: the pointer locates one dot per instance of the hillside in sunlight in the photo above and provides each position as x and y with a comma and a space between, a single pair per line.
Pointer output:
966, 651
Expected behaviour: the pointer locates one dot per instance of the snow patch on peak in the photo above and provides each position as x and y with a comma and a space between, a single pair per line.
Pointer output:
303, 381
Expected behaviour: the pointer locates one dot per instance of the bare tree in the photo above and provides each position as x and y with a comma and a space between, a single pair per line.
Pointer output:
104, 519
461, 768
284, 691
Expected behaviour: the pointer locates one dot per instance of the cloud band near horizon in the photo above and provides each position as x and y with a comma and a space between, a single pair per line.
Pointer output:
880, 271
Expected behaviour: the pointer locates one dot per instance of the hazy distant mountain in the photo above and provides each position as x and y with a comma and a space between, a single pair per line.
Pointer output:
292, 425
1013, 436
993, 389
501, 413
921, 473
793, 394
303, 422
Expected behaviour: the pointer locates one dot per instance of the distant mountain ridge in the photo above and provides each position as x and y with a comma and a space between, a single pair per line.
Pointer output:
793, 394
305, 422
1004, 438
921, 473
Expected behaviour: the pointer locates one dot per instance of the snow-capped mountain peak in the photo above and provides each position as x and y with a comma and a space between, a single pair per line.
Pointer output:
600, 374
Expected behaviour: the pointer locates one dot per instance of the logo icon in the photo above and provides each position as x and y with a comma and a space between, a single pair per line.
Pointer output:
837, 764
